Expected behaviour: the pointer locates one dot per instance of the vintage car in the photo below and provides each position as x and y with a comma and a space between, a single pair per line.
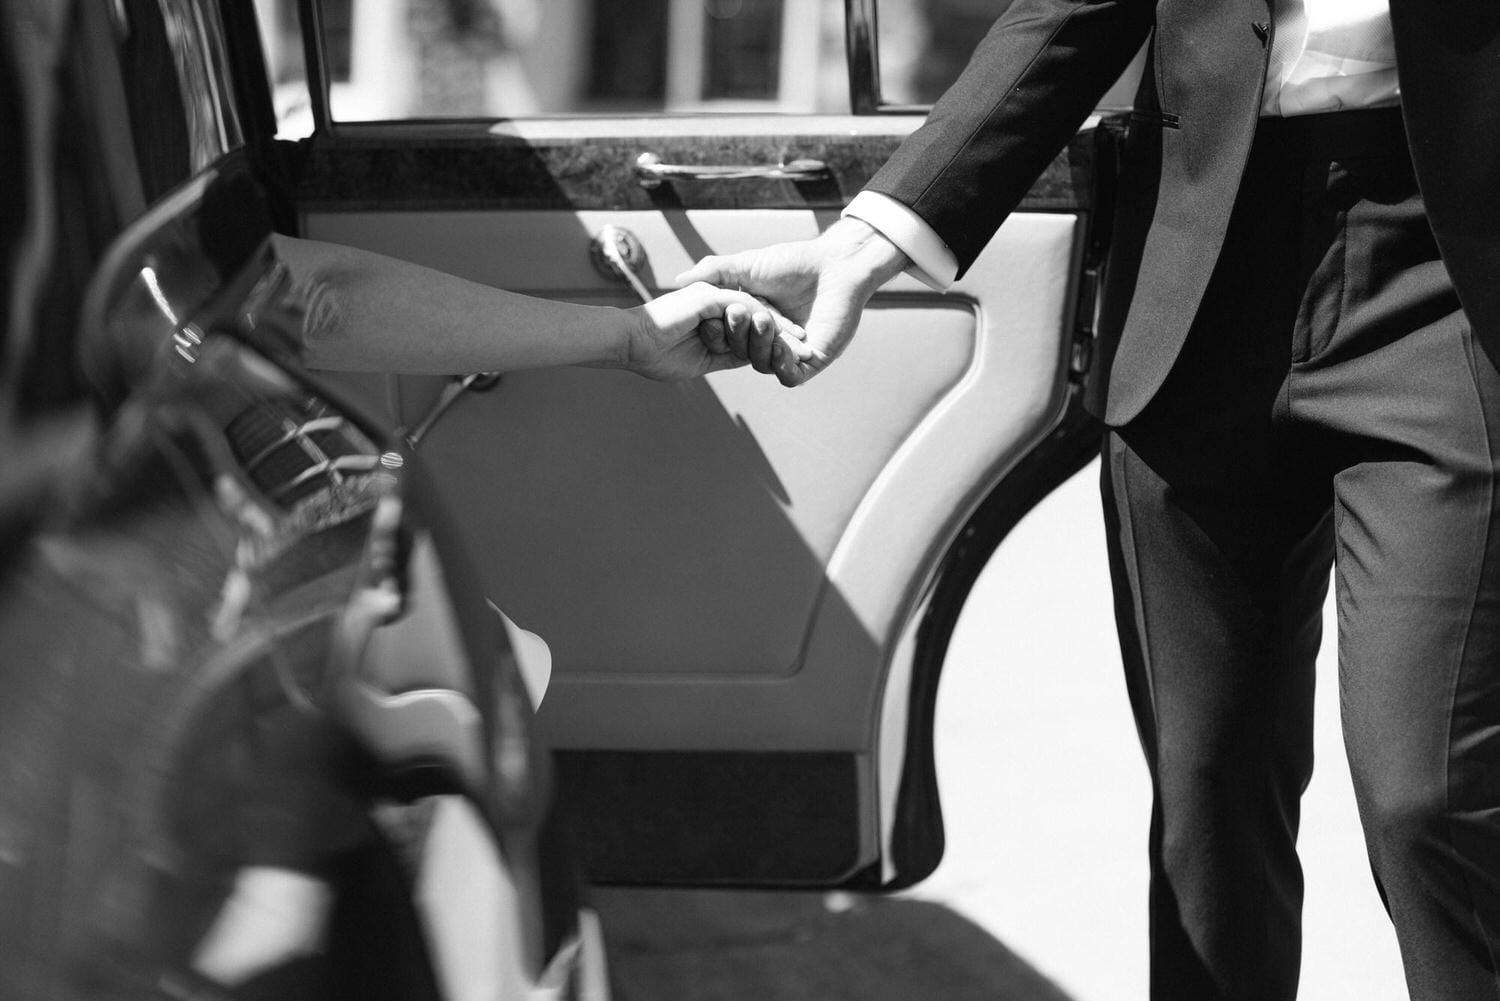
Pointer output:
266, 730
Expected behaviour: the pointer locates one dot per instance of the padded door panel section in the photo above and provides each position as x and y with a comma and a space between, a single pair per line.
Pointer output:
726, 564
657, 518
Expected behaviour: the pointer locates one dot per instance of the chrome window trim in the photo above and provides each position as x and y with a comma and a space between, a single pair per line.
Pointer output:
861, 36
315, 63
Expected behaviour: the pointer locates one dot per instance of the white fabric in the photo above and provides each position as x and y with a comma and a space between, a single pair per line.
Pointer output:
933, 264
533, 657
1328, 55
272, 916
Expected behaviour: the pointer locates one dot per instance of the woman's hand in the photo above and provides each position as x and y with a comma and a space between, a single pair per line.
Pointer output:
701, 329
822, 283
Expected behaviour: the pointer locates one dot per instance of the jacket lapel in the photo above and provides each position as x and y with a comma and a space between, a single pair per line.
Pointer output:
1210, 64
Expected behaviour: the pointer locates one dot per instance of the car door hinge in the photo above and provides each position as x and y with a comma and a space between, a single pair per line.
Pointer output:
1081, 359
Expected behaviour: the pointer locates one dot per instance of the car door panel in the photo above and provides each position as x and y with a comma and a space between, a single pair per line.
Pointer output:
730, 574
712, 489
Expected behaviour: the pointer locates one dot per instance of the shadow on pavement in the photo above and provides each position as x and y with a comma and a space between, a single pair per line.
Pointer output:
697, 945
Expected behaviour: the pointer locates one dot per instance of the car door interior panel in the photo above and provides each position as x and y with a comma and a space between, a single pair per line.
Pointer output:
726, 571
747, 591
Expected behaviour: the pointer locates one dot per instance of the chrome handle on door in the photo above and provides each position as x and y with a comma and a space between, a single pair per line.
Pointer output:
616, 253
653, 173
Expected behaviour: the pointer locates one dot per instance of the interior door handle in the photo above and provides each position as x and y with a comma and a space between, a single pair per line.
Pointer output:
617, 253
652, 173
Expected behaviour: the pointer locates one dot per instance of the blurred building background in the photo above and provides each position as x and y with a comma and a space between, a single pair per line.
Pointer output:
395, 59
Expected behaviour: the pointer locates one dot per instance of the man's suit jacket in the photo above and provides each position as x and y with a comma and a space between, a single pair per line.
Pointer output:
1040, 70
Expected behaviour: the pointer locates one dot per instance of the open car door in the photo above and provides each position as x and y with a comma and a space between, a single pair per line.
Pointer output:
747, 590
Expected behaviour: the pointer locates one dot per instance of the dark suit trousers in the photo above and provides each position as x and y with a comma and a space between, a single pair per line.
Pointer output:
1330, 409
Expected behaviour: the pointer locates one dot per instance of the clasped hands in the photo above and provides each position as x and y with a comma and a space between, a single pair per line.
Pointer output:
793, 309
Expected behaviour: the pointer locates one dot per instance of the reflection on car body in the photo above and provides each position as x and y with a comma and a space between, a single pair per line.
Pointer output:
201, 688
255, 701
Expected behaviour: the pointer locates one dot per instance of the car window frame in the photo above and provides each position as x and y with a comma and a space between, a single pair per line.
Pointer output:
315, 63
196, 31
862, 57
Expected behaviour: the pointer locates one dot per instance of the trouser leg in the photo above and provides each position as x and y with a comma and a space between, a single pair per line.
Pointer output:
1220, 627
1406, 407
1367, 404
1220, 554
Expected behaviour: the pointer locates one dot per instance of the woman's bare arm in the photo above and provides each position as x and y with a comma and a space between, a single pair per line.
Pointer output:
370, 312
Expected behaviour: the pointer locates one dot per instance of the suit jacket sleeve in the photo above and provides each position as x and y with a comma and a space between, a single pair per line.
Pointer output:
1030, 84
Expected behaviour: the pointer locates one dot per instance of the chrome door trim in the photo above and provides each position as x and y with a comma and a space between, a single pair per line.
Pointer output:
653, 173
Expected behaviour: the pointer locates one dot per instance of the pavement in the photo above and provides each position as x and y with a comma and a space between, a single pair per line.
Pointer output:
1041, 895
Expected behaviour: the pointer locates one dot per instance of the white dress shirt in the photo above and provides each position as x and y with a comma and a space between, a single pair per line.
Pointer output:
1326, 55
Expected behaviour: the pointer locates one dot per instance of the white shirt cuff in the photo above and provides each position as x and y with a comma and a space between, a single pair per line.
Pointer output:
933, 264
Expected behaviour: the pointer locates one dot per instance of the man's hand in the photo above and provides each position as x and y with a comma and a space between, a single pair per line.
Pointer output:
685, 333
822, 284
